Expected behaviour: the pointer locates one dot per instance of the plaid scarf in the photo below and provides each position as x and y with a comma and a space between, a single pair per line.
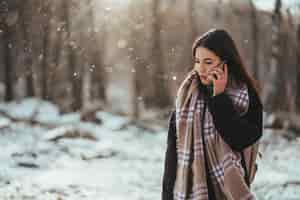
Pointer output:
225, 169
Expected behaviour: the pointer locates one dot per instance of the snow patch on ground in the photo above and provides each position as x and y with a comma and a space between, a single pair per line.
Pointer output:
121, 163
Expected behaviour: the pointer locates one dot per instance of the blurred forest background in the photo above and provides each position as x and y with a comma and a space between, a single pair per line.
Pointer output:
86, 87
132, 55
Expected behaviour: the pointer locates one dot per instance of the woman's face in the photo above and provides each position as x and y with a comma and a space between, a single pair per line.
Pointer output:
205, 60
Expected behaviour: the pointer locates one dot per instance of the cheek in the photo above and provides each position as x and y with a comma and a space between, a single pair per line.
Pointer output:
209, 67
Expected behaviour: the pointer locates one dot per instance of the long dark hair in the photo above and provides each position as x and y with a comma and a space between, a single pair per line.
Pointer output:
220, 42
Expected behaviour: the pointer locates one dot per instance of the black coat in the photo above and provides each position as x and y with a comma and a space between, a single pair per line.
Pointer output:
228, 123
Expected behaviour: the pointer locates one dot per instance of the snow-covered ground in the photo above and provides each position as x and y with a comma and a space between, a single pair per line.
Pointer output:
112, 162
278, 175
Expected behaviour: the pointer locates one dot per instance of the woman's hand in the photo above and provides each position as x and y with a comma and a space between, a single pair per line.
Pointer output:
221, 81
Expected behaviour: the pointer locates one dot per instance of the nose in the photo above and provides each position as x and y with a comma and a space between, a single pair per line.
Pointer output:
201, 70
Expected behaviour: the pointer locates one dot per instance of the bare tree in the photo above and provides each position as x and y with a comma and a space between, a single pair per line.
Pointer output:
193, 31
289, 57
60, 30
274, 78
161, 96
72, 53
8, 18
218, 10
46, 7
138, 70
99, 74
298, 70
255, 40
96, 51
25, 10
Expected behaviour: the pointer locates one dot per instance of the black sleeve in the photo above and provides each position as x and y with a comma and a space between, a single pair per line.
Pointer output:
237, 131
170, 165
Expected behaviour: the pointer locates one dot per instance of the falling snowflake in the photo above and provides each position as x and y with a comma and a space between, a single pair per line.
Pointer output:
140, 98
122, 44
92, 68
73, 44
174, 78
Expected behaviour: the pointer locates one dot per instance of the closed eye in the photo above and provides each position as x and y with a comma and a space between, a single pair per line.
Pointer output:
206, 60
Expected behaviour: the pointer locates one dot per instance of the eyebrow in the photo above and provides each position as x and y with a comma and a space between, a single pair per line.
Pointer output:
204, 58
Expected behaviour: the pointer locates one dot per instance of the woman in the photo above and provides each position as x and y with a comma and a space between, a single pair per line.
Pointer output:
219, 101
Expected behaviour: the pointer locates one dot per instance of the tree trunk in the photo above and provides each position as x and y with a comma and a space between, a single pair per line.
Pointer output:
8, 18
298, 70
8, 70
99, 74
45, 63
218, 12
274, 78
60, 28
45, 50
187, 59
96, 68
27, 45
74, 74
161, 96
255, 48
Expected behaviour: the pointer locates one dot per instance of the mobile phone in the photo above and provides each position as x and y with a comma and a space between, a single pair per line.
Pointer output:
210, 87
221, 64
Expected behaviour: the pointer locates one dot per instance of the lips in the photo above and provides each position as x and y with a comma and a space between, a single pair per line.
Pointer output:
203, 77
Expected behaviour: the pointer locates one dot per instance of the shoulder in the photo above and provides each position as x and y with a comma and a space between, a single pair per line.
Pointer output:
172, 117
172, 127
254, 98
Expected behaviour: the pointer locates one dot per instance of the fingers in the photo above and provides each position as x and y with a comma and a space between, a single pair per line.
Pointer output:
216, 73
219, 72
211, 77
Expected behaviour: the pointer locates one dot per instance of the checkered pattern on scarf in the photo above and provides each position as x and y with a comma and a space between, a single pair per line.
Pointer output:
225, 169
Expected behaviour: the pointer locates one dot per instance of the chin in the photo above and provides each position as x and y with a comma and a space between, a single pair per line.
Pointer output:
205, 82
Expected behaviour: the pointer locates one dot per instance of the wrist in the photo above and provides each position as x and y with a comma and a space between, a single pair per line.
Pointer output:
217, 93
